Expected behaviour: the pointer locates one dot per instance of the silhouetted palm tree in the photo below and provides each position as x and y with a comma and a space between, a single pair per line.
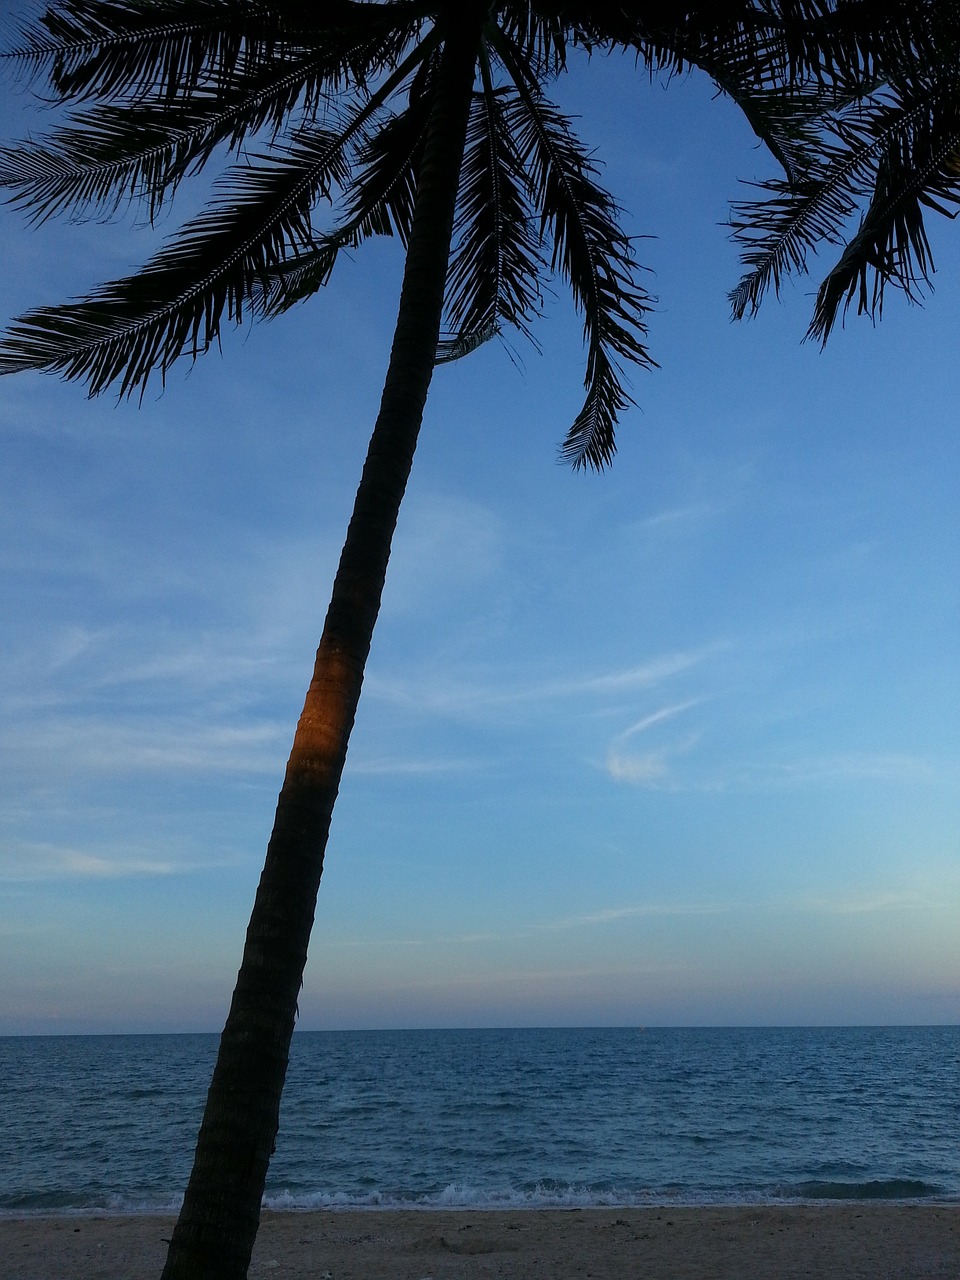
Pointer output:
421, 119
884, 154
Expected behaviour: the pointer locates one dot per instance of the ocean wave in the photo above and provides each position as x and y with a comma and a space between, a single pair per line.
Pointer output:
458, 1195
63, 1206
875, 1189
545, 1195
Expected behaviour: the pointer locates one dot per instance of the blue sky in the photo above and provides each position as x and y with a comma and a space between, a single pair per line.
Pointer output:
674, 744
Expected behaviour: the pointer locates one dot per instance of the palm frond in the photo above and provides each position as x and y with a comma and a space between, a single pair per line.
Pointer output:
916, 169
140, 146
380, 197
455, 346
496, 262
255, 251
539, 33
170, 49
820, 41
776, 233
216, 265
591, 252
787, 119
140, 151
106, 47
834, 45
88, 170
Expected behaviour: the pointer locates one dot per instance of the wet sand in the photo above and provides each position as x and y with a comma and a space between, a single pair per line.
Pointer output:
797, 1242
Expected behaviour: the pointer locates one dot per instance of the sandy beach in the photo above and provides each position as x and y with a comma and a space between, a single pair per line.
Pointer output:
843, 1242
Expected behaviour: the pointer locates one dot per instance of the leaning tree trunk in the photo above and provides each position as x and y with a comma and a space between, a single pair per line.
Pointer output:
214, 1235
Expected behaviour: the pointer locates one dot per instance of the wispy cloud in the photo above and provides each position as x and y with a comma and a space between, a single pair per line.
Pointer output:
100, 675
600, 918
42, 861
649, 769
99, 746
882, 766
401, 766
658, 717
893, 768
680, 517
443, 696
867, 904
739, 772
613, 915
90, 866
444, 546
645, 676
652, 768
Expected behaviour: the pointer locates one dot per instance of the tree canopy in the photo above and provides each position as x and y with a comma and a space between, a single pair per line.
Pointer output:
311, 121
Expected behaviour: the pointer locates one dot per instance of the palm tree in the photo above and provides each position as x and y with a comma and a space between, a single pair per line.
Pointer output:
421, 119
885, 153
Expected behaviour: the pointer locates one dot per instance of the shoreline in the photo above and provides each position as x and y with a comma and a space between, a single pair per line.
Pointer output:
168, 1211
858, 1240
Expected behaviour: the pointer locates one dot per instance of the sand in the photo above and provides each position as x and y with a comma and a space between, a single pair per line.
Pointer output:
842, 1242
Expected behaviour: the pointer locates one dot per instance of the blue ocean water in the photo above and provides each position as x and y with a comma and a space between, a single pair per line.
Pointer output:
501, 1118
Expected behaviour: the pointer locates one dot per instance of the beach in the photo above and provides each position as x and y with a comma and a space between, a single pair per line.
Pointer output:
851, 1241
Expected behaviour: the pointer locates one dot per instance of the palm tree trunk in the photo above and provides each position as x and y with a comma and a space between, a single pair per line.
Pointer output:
215, 1233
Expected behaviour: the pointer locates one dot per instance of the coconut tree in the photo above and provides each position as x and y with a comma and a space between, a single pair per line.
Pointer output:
328, 124
885, 154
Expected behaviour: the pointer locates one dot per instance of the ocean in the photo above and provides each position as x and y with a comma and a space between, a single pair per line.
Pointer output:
513, 1118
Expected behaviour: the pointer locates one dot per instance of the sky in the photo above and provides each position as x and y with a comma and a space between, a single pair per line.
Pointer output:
675, 744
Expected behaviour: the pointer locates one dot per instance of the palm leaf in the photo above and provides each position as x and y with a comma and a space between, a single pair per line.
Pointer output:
170, 49
250, 252
841, 48
380, 200
776, 233
916, 170
141, 148
591, 253
141, 151
380, 196
788, 120
104, 47
455, 346
130, 327
496, 262
539, 33
875, 123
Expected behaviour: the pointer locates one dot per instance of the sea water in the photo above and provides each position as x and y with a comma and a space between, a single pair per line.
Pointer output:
483, 1118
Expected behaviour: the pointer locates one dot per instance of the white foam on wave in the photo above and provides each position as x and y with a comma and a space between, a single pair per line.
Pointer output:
459, 1195
114, 1205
